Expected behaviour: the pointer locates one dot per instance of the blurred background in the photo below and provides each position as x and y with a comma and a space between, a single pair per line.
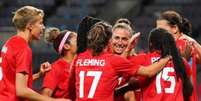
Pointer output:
66, 14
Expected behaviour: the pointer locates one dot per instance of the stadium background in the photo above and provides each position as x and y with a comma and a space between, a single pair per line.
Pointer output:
66, 14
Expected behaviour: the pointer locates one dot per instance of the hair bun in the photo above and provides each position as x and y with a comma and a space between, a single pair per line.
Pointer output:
51, 34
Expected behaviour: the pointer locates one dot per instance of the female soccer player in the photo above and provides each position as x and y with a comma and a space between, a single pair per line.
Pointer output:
55, 81
96, 71
172, 83
16, 57
174, 23
122, 33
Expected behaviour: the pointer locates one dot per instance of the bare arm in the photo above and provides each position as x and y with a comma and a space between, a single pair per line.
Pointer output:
47, 92
36, 76
154, 68
24, 92
44, 67
129, 96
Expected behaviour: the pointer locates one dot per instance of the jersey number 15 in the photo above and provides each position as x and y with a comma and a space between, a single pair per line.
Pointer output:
165, 77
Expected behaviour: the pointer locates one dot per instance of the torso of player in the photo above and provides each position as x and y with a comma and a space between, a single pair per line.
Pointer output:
9, 55
165, 86
95, 78
57, 78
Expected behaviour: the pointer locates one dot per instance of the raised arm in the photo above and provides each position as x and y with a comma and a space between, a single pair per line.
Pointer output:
154, 68
44, 67
132, 43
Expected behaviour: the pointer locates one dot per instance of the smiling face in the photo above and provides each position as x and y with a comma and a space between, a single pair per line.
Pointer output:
120, 40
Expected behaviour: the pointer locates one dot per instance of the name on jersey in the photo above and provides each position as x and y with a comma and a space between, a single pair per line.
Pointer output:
90, 62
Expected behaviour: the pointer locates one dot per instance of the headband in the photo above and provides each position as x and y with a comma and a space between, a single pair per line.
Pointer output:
63, 41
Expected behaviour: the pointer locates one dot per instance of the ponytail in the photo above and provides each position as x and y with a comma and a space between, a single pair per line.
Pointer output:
50, 34
98, 37
186, 27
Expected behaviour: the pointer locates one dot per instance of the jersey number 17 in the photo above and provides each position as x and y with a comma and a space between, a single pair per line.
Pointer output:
82, 75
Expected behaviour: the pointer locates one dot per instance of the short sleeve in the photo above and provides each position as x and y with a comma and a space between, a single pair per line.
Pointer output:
123, 66
23, 60
51, 78
138, 60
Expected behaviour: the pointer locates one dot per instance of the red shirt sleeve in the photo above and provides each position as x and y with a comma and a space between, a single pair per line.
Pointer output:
123, 66
138, 60
51, 78
23, 60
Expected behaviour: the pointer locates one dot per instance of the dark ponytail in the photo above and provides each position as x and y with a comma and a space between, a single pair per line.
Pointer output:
162, 40
83, 28
98, 37
186, 27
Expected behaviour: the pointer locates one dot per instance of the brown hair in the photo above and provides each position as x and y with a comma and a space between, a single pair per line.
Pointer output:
59, 38
98, 37
123, 26
175, 18
25, 15
51, 33
123, 20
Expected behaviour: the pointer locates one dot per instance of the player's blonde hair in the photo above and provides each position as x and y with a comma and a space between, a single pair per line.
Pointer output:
123, 26
25, 15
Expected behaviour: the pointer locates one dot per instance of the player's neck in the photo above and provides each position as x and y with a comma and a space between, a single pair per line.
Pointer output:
68, 58
25, 35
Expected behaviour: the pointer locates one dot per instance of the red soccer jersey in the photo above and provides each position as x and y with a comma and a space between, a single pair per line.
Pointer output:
96, 76
57, 78
181, 45
164, 86
16, 57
